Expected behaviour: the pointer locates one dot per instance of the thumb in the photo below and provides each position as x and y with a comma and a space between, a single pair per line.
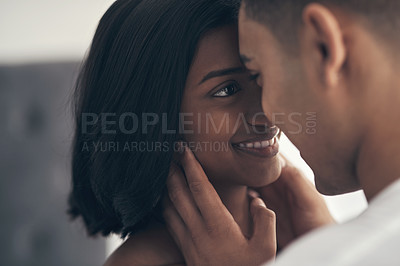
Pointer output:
264, 225
297, 185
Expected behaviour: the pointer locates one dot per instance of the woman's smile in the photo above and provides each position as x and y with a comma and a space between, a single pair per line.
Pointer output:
265, 147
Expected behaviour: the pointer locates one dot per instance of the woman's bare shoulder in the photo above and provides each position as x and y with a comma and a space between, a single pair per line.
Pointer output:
152, 247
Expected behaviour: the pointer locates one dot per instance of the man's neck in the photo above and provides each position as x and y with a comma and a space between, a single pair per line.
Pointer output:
378, 165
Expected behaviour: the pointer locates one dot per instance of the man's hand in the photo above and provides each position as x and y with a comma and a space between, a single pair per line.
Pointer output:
298, 206
204, 229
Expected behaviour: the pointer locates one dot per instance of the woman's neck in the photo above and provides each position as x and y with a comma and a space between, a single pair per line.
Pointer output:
236, 200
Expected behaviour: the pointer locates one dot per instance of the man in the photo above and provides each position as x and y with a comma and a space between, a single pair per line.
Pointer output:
340, 60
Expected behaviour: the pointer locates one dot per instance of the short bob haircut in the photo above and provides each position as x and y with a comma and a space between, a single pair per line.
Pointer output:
138, 63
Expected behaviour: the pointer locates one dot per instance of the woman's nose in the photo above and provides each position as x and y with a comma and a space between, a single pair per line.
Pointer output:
257, 119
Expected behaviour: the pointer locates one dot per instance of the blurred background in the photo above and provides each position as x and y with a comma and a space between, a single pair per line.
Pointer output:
42, 44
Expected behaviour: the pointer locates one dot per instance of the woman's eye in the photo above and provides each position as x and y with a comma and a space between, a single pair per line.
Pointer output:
227, 91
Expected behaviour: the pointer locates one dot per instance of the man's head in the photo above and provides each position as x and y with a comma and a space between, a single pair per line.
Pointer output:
328, 69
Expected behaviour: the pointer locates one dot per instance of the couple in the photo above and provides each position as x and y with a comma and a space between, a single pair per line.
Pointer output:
223, 60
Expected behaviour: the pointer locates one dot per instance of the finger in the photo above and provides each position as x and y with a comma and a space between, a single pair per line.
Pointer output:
296, 185
253, 193
264, 225
283, 160
278, 202
276, 190
177, 229
182, 199
174, 223
272, 196
291, 183
208, 201
292, 173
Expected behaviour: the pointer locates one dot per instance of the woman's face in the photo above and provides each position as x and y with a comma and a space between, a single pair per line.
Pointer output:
222, 119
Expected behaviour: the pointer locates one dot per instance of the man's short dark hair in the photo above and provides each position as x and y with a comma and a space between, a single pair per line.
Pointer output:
283, 17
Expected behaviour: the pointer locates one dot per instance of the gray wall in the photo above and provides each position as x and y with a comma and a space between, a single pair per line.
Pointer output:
35, 136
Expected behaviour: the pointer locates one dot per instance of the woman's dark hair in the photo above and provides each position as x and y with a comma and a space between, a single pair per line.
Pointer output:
138, 63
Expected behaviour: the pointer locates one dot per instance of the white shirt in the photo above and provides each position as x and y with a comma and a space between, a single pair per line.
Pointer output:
373, 238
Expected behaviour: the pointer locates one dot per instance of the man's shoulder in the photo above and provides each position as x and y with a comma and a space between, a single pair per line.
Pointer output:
152, 247
348, 244
372, 238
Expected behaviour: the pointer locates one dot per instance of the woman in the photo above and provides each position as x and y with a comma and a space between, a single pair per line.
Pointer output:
159, 72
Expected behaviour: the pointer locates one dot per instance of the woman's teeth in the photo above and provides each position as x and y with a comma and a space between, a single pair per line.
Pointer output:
259, 144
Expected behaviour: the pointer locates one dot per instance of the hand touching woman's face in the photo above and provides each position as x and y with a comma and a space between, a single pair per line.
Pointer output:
222, 118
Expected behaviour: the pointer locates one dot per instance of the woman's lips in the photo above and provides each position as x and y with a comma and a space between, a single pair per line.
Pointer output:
260, 148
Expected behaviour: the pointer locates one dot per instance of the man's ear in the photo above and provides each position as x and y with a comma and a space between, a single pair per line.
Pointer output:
327, 37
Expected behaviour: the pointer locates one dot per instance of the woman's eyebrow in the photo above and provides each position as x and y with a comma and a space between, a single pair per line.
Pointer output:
222, 72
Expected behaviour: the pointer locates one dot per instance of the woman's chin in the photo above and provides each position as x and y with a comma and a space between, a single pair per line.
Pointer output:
263, 178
